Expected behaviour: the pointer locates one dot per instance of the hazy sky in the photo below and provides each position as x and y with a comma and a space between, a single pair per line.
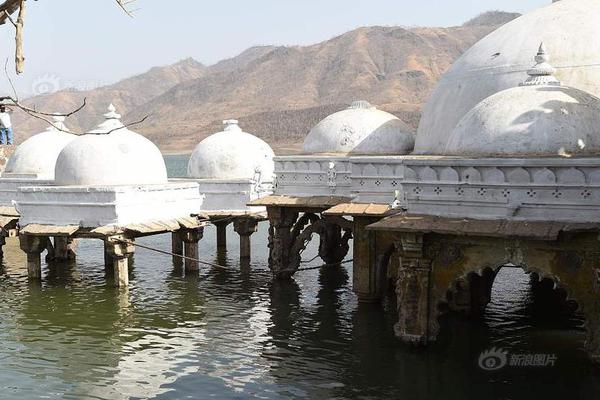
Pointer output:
87, 43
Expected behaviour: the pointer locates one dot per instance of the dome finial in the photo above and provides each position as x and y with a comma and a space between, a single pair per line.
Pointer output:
231, 124
112, 122
542, 73
58, 123
112, 112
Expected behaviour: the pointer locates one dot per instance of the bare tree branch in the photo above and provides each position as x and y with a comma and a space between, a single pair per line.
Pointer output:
123, 4
32, 112
9, 7
8, 17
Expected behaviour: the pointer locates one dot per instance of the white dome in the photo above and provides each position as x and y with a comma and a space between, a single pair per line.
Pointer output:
538, 118
110, 155
570, 30
232, 154
360, 129
37, 155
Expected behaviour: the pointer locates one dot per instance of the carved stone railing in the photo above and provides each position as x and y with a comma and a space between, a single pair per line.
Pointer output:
559, 189
306, 176
377, 179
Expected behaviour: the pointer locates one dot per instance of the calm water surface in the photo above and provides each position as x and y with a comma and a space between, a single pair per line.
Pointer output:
237, 335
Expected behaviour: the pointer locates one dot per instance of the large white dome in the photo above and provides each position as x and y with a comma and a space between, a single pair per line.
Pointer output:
540, 117
570, 30
360, 129
232, 154
37, 155
110, 155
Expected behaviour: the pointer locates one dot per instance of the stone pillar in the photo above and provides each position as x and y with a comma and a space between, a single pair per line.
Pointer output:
191, 237
333, 246
2, 243
413, 291
63, 249
222, 234
108, 258
245, 227
120, 253
33, 246
281, 240
481, 291
367, 280
177, 248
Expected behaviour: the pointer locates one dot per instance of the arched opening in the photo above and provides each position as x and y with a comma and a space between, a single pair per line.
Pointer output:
516, 309
525, 302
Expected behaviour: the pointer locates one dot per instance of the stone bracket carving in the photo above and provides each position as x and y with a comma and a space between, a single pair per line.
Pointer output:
413, 290
289, 236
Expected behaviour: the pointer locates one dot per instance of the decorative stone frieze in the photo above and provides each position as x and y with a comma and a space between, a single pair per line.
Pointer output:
306, 176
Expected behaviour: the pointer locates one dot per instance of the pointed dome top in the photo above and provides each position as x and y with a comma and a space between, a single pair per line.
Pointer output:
542, 73
122, 157
111, 124
232, 154
539, 117
568, 28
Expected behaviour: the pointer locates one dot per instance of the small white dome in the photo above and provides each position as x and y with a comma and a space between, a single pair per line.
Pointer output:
110, 155
538, 118
37, 155
232, 154
569, 28
360, 129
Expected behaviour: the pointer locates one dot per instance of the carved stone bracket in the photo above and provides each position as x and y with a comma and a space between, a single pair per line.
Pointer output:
289, 236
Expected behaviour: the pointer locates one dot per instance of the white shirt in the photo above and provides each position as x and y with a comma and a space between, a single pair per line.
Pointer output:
5, 120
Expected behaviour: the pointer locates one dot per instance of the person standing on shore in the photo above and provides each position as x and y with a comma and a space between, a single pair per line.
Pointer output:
6, 132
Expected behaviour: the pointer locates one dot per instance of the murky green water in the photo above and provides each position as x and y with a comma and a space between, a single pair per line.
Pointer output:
237, 335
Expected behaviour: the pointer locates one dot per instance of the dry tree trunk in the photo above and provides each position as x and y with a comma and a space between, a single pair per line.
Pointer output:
19, 53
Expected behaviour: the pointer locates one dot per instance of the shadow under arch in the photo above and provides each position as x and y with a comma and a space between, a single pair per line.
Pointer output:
470, 271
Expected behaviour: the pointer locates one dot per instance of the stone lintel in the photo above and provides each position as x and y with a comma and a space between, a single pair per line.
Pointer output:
537, 230
360, 210
311, 202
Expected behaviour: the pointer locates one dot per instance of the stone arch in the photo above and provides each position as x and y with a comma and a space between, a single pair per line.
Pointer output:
571, 267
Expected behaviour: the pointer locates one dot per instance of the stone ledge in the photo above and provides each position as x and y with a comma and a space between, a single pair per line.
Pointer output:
540, 230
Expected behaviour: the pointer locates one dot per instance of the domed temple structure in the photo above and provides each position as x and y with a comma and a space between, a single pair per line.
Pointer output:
500, 60
109, 184
505, 171
338, 167
32, 163
232, 168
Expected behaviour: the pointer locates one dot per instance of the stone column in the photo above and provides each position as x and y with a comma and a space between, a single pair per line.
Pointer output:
333, 246
191, 237
367, 281
33, 246
413, 291
481, 292
245, 227
280, 240
177, 248
222, 234
63, 249
120, 253
2, 243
